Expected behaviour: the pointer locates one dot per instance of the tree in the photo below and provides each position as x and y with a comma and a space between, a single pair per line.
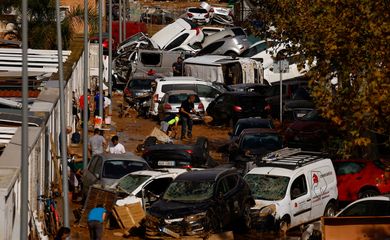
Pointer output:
349, 41
42, 28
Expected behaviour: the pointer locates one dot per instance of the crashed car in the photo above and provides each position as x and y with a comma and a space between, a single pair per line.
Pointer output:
198, 203
177, 155
144, 186
221, 15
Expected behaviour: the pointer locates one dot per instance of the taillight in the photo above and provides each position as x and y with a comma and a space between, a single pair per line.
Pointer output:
105, 44
231, 13
190, 15
167, 106
207, 15
127, 92
237, 108
268, 107
200, 106
155, 98
211, 10
187, 167
197, 31
189, 151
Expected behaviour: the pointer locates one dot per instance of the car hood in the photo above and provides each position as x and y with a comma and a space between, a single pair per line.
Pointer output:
173, 209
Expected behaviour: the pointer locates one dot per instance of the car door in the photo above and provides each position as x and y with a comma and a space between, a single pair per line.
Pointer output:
220, 108
154, 189
223, 208
300, 204
93, 173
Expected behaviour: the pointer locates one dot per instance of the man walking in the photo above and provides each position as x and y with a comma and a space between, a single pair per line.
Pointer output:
185, 113
96, 218
96, 143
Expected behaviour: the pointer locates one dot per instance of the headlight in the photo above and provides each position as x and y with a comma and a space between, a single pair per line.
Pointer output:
268, 210
195, 217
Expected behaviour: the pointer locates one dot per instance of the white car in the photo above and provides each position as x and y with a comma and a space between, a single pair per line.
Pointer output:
292, 187
228, 32
198, 15
222, 15
180, 32
145, 186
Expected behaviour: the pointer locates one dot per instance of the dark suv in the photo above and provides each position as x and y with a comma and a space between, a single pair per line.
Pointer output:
231, 106
199, 202
137, 87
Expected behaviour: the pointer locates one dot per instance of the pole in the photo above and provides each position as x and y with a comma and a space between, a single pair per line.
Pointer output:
124, 18
110, 56
100, 61
64, 154
281, 93
120, 21
86, 78
24, 154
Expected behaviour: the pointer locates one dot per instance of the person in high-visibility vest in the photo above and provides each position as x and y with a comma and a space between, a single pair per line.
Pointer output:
169, 125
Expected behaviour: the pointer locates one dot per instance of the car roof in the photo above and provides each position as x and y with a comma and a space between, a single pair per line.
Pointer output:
160, 172
125, 156
180, 78
249, 131
177, 92
211, 174
253, 120
375, 198
275, 171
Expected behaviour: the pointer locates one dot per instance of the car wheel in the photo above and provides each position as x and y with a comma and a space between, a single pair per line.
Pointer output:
150, 141
368, 193
330, 210
246, 218
231, 54
203, 145
284, 224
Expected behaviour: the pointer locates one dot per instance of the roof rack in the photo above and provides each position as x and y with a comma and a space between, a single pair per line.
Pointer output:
290, 158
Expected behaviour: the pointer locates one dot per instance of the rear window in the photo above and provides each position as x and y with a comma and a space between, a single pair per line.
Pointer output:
116, 169
140, 83
250, 101
169, 87
238, 31
179, 98
197, 10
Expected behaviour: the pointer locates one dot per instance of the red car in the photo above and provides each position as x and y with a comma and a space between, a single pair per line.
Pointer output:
361, 178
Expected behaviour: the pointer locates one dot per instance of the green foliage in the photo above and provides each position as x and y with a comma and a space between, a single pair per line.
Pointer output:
348, 39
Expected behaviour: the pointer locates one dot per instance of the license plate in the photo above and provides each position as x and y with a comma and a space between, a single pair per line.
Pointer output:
170, 232
166, 163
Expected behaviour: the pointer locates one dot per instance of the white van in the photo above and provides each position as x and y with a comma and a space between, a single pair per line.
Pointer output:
207, 91
292, 187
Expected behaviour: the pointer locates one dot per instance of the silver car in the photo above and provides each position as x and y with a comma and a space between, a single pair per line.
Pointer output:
171, 102
230, 46
105, 169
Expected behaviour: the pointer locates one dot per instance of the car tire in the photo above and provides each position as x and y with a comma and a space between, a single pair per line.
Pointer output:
284, 224
368, 193
246, 218
150, 141
330, 210
203, 145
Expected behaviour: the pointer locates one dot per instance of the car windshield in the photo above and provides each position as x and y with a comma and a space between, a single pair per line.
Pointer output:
267, 187
241, 125
189, 191
256, 141
130, 182
140, 83
255, 49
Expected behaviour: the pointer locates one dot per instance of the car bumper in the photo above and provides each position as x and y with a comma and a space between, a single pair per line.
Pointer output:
157, 228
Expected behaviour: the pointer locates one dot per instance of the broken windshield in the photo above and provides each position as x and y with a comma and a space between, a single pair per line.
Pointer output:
267, 187
189, 191
130, 182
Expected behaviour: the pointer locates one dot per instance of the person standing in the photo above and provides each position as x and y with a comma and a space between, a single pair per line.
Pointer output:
116, 148
177, 67
186, 108
97, 101
96, 143
96, 218
81, 104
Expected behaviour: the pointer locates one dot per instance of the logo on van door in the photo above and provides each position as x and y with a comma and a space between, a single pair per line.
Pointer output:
315, 179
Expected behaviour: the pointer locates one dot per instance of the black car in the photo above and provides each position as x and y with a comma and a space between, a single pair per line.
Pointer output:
252, 145
136, 88
178, 155
199, 202
245, 123
231, 106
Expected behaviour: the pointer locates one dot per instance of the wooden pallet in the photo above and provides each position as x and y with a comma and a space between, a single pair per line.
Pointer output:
129, 216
